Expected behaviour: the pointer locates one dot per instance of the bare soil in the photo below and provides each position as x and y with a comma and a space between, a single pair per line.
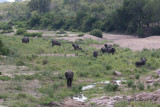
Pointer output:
134, 43
61, 55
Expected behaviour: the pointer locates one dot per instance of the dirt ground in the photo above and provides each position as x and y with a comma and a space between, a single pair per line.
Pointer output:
134, 43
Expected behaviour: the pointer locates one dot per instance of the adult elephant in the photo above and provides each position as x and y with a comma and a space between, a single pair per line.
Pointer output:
54, 42
25, 40
69, 76
76, 46
111, 50
140, 63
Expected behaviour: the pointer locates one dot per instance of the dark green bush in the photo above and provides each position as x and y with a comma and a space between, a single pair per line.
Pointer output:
61, 31
33, 34
80, 35
137, 76
3, 49
141, 86
20, 31
111, 87
140, 32
20, 63
45, 61
130, 83
4, 78
155, 84
77, 88
97, 33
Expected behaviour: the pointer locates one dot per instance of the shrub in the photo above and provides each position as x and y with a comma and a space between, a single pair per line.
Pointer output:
133, 87
77, 88
0, 73
3, 49
111, 87
61, 31
97, 33
80, 35
137, 76
20, 31
140, 32
155, 84
4, 78
45, 61
141, 86
33, 34
130, 83
20, 63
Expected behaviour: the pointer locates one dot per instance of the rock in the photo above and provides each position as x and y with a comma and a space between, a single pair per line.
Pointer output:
117, 73
53, 103
150, 81
158, 72
153, 97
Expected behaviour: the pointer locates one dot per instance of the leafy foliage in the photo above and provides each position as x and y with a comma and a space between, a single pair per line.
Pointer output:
96, 32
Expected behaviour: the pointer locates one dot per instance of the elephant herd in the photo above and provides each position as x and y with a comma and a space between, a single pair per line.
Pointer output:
106, 49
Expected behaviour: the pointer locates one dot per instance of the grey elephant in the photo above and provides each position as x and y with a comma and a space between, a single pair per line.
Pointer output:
103, 49
76, 46
111, 50
69, 76
95, 53
54, 42
25, 40
108, 46
140, 63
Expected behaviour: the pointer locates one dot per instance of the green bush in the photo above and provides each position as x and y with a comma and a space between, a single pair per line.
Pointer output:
111, 87
33, 34
80, 35
141, 86
4, 78
61, 31
130, 83
20, 63
97, 33
155, 84
77, 88
45, 61
3, 49
20, 31
137, 76
140, 32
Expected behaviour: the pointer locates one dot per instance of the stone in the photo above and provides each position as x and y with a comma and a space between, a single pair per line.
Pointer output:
53, 103
117, 73
158, 72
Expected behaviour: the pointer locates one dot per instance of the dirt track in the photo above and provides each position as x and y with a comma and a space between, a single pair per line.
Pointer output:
134, 43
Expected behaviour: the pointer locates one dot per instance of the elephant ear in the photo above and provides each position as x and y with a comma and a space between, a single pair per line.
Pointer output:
66, 74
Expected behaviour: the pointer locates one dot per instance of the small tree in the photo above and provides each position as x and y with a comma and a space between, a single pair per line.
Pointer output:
97, 33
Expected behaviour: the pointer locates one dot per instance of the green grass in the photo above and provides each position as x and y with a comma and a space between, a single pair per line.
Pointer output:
50, 69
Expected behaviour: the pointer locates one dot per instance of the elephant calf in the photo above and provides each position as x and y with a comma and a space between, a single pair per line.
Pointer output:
95, 53
25, 40
69, 76
140, 63
54, 42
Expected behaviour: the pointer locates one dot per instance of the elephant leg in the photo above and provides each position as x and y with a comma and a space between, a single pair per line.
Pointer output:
68, 82
71, 83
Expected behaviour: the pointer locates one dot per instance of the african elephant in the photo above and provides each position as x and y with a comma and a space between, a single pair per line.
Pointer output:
69, 76
54, 42
25, 40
